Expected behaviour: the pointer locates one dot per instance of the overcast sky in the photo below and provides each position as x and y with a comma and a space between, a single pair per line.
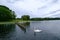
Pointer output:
34, 8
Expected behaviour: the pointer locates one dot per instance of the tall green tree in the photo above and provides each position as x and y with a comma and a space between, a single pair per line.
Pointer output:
25, 17
6, 14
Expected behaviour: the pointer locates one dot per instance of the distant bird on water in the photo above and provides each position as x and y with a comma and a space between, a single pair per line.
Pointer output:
37, 30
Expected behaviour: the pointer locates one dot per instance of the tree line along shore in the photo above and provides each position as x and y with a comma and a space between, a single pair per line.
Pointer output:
8, 15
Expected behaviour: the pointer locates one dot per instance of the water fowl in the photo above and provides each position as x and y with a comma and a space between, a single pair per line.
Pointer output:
37, 30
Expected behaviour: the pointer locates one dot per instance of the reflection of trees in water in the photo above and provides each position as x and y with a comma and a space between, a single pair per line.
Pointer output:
26, 25
5, 29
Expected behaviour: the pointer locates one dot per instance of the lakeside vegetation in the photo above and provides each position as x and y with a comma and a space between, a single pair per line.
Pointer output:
8, 16
41, 19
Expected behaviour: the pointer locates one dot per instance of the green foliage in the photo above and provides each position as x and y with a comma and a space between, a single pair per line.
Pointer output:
25, 17
13, 15
6, 14
38, 19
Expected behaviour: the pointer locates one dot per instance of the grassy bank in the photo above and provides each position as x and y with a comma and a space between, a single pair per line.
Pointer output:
13, 21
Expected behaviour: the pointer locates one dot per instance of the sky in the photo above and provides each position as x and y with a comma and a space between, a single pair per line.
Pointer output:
34, 8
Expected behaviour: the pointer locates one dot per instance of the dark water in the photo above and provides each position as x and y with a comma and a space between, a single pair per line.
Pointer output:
50, 31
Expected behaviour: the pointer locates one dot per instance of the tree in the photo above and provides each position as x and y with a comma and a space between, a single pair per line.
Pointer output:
25, 17
13, 14
6, 14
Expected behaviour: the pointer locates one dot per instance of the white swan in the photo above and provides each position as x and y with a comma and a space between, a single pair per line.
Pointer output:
37, 30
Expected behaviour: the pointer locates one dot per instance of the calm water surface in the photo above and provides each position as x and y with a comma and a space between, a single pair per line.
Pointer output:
50, 31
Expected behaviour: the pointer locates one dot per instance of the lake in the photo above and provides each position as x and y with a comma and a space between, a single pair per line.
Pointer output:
50, 31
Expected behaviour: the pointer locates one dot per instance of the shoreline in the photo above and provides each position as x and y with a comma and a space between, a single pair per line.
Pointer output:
13, 22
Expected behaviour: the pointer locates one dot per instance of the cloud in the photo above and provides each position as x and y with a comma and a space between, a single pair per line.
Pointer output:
34, 8
54, 1
53, 13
